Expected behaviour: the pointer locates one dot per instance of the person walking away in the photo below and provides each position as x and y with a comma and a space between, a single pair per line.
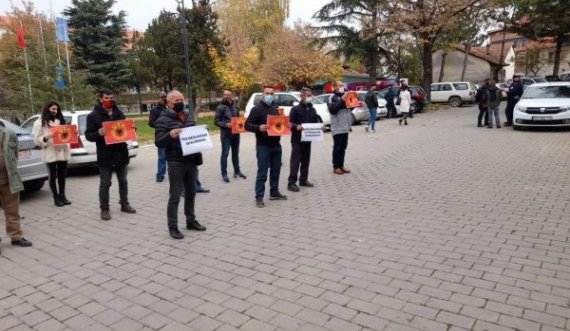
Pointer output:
304, 112
10, 186
152, 117
514, 94
340, 127
494, 101
371, 100
390, 105
225, 111
113, 157
55, 156
268, 148
182, 169
405, 103
481, 98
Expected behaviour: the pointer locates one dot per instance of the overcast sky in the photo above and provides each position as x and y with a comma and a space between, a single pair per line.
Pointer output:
141, 12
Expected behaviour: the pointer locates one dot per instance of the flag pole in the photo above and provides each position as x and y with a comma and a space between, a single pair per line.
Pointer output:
43, 47
69, 72
27, 70
59, 58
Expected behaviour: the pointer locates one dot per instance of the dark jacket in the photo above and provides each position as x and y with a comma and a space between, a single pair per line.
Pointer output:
493, 97
107, 155
301, 113
10, 153
371, 99
155, 113
164, 124
257, 117
515, 92
224, 114
481, 95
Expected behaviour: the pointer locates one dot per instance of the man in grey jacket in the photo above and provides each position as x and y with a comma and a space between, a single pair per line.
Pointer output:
493, 97
340, 127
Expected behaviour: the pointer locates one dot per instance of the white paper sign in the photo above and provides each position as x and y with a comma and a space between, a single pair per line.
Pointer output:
195, 139
312, 132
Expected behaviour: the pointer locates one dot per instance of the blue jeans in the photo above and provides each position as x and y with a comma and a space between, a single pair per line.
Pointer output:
372, 117
161, 164
231, 142
267, 158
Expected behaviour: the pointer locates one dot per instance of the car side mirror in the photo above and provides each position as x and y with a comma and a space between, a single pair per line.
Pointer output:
296, 103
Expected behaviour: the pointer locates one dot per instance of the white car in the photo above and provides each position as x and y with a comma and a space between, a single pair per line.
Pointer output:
543, 105
288, 100
455, 93
360, 113
84, 153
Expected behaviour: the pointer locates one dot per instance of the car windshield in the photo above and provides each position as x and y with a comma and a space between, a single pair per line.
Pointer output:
82, 119
547, 92
539, 80
14, 128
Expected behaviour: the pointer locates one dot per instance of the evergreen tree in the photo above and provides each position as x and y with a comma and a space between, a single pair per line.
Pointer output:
98, 41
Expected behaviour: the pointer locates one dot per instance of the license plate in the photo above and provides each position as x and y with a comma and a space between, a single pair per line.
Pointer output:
542, 118
25, 154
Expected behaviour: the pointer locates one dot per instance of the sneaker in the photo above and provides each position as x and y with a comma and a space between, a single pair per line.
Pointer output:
22, 242
105, 214
293, 188
259, 202
306, 183
345, 170
225, 178
194, 225
240, 175
159, 179
126, 208
373, 131
338, 171
366, 129
278, 196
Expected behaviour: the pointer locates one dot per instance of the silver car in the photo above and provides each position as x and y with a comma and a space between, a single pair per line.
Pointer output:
30, 166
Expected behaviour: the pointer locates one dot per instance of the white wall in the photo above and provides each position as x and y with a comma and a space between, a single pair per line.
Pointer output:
477, 69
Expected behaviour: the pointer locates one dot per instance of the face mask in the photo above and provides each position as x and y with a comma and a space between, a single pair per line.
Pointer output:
341, 90
178, 107
108, 104
308, 99
268, 99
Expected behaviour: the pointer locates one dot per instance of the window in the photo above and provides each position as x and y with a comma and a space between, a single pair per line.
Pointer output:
29, 124
547, 92
81, 125
285, 100
461, 86
446, 87
435, 87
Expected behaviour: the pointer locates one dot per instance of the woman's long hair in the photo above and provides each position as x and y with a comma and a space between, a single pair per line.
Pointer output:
47, 115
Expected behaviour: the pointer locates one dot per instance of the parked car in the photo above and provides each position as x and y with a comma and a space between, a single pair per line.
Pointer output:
30, 165
565, 77
418, 97
360, 113
84, 153
544, 105
552, 78
288, 100
455, 93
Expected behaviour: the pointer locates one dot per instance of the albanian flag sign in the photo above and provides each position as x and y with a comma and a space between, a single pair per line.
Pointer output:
119, 131
64, 134
278, 125
238, 125
351, 99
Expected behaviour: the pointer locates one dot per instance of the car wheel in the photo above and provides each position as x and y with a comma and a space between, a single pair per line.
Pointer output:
34, 186
455, 102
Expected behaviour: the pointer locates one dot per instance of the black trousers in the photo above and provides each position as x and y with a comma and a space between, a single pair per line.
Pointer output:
340, 143
483, 113
181, 175
57, 171
106, 173
509, 111
300, 156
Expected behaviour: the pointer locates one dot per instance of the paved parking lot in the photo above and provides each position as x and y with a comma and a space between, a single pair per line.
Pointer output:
440, 226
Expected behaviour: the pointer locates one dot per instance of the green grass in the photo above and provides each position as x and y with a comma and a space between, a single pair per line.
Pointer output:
145, 134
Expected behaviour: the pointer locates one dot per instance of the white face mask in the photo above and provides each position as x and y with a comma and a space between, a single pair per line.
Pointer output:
308, 99
341, 90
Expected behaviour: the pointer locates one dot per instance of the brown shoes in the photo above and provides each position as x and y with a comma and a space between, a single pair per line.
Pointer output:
345, 170
105, 214
126, 208
338, 171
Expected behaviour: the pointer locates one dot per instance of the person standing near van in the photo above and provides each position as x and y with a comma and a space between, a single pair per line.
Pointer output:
55, 156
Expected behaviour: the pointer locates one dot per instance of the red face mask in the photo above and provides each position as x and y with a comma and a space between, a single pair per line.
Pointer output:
108, 104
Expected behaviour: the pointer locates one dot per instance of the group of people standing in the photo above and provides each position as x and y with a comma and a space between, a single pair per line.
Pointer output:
489, 97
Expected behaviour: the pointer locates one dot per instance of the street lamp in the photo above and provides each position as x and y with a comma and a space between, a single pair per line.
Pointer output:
182, 13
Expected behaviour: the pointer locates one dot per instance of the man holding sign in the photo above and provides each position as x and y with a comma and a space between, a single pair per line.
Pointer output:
303, 113
268, 148
340, 127
225, 112
182, 167
109, 157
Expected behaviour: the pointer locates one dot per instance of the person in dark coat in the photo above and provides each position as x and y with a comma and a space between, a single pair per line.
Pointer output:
304, 112
514, 94
152, 117
225, 111
390, 105
109, 157
481, 98
268, 148
182, 169
371, 100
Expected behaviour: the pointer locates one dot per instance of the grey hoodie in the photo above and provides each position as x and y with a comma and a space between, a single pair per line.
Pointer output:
340, 115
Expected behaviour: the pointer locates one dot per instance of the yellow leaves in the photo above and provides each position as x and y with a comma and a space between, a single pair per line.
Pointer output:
237, 74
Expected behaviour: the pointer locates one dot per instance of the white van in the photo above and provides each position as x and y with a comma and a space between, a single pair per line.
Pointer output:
456, 93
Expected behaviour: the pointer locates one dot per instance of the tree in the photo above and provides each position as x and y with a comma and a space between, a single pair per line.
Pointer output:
536, 19
98, 42
365, 42
533, 62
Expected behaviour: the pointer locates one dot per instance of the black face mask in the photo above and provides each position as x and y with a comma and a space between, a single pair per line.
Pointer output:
178, 107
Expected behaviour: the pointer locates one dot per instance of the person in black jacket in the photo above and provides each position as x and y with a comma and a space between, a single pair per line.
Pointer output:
152, 117
268, 148
109, 157
304, 112
371, 100
182, 169
481, 98
514, 94
390, 104
224, 113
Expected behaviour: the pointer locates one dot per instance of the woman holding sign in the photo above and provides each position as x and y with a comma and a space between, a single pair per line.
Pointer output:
54, 155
